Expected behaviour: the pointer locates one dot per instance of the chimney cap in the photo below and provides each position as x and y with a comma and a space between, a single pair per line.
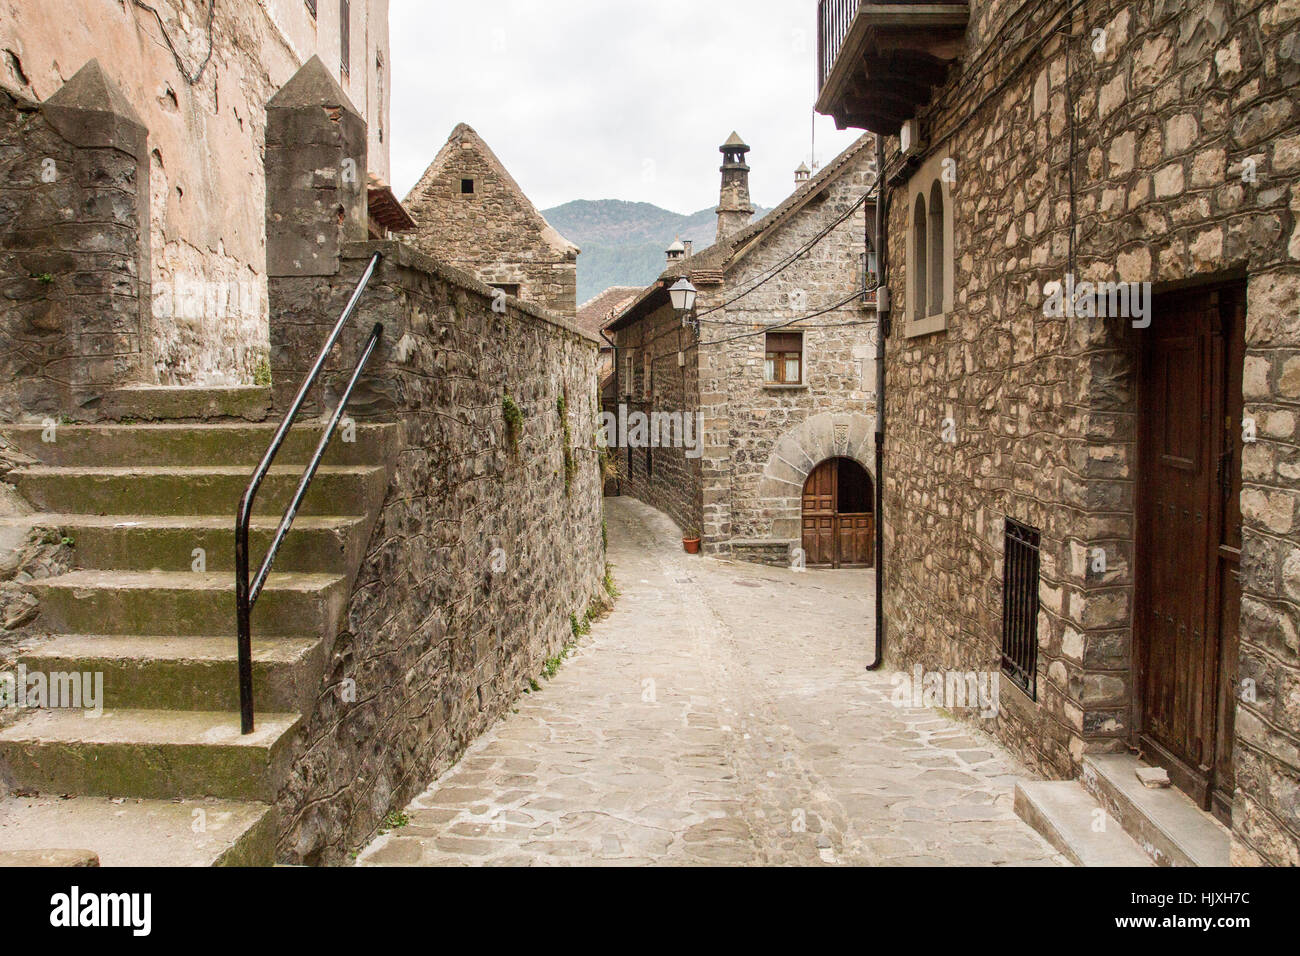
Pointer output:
733, 142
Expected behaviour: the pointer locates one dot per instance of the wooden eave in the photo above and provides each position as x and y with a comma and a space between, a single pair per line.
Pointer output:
892, 58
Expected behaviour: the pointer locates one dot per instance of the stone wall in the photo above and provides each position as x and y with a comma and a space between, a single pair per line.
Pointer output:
483, 549
488, 544
665, 477
494, 232
206, 134
74, 248
1186, 147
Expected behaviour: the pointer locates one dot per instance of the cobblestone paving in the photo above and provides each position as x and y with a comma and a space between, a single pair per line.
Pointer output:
720, 715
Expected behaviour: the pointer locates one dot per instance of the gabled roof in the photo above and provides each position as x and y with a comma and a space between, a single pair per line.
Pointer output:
722, 256
464, 135
712, 264
597, 312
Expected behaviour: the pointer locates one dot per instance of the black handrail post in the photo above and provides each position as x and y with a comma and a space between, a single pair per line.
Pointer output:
243, 612
246, 594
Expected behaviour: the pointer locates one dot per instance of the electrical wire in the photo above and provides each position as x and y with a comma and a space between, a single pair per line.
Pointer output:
781, 325
180, 64
795, 256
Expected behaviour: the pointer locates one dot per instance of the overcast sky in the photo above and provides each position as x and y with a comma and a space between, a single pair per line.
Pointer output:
611, 99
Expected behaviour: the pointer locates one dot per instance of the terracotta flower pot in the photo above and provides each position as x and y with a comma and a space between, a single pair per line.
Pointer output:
692, 545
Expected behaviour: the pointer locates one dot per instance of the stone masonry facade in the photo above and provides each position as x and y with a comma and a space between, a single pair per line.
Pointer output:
74, 258
488, 545
472, 214
203, 108
743, 494
1183, 133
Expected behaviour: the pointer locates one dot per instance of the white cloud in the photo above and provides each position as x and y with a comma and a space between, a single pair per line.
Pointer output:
595, 99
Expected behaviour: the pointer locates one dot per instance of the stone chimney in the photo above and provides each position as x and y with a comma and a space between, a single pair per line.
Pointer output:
802, 174
734, 208
690, 247
676, 252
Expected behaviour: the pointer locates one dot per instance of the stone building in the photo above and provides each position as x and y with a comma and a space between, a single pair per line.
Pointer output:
197, 76
448, 544
784, 463
473, 215
598, 311
1090, 483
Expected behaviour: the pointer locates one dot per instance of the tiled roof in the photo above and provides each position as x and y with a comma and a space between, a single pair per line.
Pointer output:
720, 255
709, 266
596, 313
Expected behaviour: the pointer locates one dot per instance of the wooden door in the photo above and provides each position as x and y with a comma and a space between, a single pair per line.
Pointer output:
1186, 527
857, 540
833, 537
819, 515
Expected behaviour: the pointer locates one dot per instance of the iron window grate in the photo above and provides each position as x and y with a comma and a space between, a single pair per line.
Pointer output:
1021, 545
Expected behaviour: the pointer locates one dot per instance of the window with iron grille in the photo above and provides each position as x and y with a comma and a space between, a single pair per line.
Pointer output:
345, 36
1020, 605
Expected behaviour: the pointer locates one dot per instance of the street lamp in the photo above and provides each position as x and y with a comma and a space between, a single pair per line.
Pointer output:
683, 296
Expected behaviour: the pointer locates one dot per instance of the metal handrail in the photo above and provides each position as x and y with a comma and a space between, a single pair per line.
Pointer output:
246, 593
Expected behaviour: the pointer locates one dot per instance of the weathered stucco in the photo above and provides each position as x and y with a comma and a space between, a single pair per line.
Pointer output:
205, 141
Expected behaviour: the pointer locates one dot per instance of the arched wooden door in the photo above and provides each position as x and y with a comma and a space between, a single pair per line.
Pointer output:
838, 521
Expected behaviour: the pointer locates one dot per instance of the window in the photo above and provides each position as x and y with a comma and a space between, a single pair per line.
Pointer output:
379, 88
467, 187
646, 369
934, 251
920, 284
1020, 605
784, 362
930, 253
629, 366
345, 37
509, 288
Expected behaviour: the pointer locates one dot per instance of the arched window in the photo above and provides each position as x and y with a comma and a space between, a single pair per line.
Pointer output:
935, 251
931, 238
920, 287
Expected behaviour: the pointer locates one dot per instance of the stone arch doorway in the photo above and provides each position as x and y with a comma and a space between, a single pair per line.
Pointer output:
838, 519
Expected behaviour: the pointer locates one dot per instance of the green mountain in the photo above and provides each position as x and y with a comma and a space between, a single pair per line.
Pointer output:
623, 243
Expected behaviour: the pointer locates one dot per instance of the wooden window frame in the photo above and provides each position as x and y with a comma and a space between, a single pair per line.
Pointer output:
780, 355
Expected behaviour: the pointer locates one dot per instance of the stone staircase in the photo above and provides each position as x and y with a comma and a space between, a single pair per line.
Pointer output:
1109, 818
164, 775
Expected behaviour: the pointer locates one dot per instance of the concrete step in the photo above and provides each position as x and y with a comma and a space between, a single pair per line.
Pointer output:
169, 490
185, 673
167, 542
179, 402
1074, 823
142, 832
226, 443
1164, 822
187, 603
152, 754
